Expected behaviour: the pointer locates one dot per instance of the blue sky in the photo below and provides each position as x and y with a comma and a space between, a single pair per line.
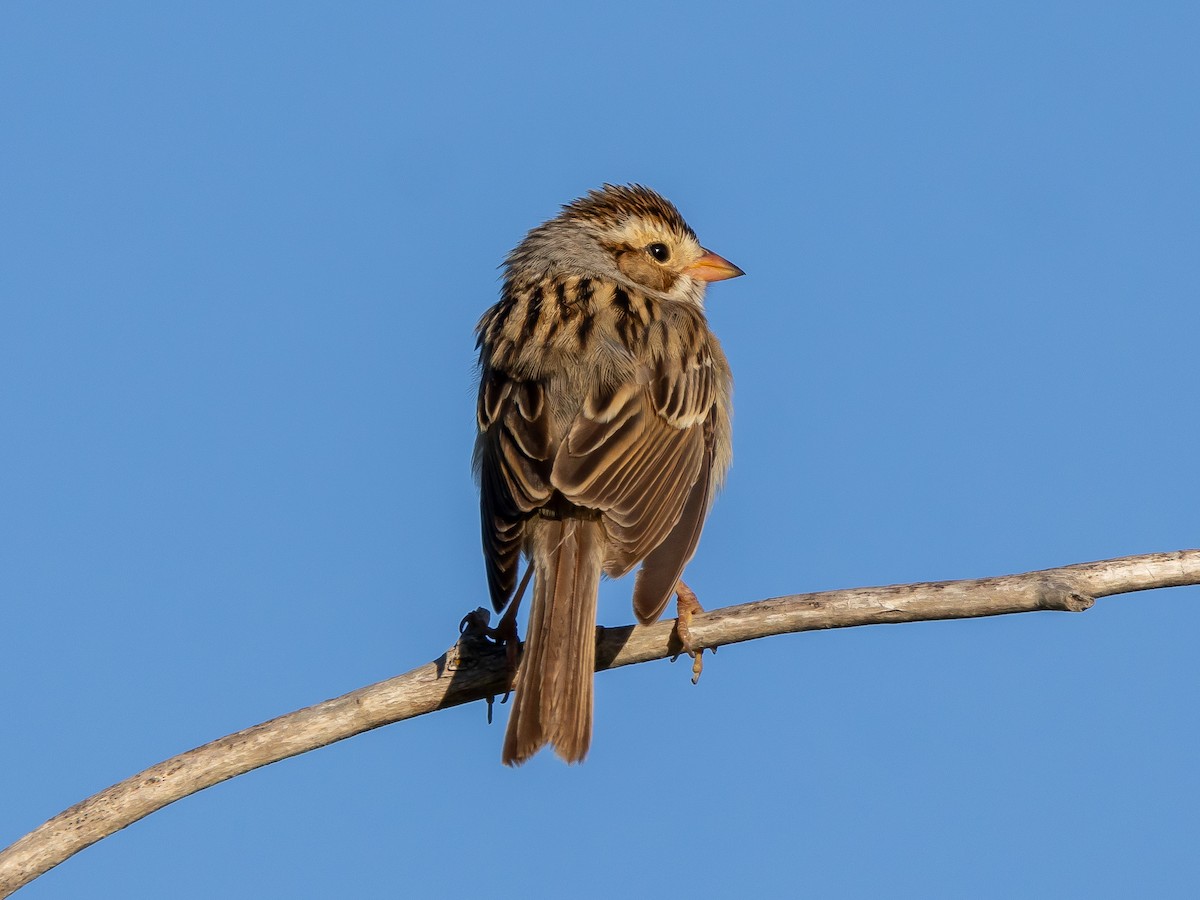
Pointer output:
244, 248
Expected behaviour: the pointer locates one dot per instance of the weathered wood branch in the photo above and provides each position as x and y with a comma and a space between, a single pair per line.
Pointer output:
475, 669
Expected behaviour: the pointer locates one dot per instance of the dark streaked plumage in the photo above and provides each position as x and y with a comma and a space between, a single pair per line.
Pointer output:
604, 428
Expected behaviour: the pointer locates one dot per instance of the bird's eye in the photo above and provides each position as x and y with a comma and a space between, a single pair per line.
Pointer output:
661, 252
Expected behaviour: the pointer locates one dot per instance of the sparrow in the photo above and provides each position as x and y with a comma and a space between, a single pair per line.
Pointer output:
604, 417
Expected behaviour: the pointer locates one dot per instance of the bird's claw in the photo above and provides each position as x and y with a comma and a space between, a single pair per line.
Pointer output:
475, 629
686, 606
475, 623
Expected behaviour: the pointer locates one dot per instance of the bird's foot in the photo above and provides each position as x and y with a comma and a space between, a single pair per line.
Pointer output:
686, 606
477, 635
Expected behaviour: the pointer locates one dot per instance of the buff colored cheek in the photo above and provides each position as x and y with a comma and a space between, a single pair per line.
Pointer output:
640, 268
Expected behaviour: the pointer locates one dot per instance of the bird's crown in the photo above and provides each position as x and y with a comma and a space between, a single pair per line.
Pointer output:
614, 205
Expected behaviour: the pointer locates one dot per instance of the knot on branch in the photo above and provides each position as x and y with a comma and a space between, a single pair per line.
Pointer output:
1060, 594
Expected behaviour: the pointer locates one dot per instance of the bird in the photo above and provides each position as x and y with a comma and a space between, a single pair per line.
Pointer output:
604, 430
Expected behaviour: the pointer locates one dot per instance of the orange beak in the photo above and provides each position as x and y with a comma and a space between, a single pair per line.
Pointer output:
711, 267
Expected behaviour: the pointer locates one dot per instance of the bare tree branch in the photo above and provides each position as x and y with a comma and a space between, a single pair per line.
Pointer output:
476, 669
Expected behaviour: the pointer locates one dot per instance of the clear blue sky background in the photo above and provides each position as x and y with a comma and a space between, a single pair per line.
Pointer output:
242, 250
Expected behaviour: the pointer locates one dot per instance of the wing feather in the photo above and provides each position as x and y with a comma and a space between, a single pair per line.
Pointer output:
513, 458
636, 451
664, 565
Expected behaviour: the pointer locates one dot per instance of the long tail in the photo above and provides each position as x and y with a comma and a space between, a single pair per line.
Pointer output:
553, 702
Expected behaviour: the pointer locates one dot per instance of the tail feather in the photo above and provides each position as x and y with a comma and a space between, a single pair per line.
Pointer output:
553, 693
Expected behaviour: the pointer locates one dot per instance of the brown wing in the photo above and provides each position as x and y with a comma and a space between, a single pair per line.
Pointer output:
642, 453
513, 459
664, 566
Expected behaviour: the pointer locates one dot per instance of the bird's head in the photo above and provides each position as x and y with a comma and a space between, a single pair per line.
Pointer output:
628, 234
